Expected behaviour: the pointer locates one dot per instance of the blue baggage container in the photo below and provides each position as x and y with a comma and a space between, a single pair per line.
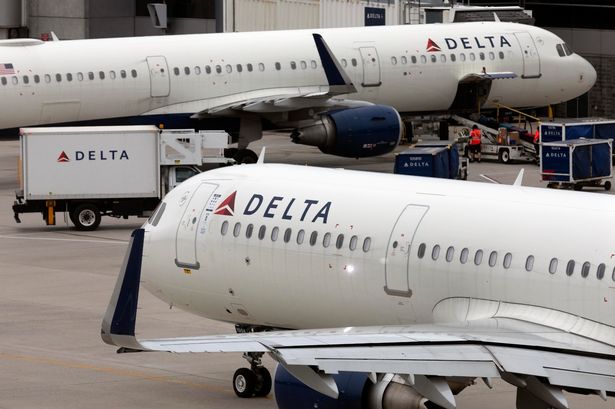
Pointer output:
453, 155
588, 129
423, 161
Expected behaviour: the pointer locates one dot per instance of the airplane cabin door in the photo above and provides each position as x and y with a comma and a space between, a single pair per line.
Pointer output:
185, 242
531, 59
160, 85
397, 264
371, 67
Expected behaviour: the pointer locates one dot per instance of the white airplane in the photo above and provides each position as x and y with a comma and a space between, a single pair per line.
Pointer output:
339, 89
385, 289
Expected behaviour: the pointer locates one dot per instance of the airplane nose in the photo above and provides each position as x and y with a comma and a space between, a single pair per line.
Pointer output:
588, 74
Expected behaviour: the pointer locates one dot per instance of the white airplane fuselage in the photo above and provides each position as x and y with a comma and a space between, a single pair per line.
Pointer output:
401, 250
408, 67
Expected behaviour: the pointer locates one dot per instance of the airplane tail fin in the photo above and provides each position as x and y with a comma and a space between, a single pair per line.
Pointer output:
118, 325
339, 82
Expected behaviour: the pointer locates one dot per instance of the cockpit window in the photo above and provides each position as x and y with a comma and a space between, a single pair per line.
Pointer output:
158, 214
560, 50
567, 49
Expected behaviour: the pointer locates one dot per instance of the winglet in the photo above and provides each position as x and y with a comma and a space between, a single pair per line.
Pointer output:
261, 156
339, 81
519, 180
118, 325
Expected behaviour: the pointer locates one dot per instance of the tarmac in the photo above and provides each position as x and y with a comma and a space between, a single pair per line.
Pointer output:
55, 284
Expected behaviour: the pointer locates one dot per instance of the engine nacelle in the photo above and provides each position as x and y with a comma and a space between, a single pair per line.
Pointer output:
354, 132
355, 391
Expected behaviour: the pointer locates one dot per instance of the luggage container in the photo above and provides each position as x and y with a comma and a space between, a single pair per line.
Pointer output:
458, 165
423, 161
591, 128
577, 163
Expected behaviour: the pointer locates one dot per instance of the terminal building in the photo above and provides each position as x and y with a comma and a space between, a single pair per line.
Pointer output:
587, 28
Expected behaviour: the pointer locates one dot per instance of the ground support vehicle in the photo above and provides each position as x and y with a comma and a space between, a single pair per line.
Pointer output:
118, 171
577, 163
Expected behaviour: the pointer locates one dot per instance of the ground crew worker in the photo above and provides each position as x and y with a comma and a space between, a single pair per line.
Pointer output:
474, 147
537, 144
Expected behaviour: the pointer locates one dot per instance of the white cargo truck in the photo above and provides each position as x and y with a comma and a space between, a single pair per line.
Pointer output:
118, 171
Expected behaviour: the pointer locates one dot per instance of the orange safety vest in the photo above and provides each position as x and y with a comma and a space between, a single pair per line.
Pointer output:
537, 136
475, 137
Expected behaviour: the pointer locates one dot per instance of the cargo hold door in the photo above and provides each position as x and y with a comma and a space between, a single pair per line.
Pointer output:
400, 247
371, 67
160, 85
186, 238
531, 59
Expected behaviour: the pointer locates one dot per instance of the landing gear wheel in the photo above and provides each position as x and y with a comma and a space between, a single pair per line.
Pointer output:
263, 380
230, 152
86, 217
504, 156
245, 156
607, 185
577, 186
244, 382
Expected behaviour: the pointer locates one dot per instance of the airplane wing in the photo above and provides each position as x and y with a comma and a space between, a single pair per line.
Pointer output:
540, 361
283, 99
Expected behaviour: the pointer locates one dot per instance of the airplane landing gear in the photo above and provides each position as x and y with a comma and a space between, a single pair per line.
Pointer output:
255, 381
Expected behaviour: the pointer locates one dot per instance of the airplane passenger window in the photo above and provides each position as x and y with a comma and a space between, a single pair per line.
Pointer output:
239, 68
47, 78
69, 77
433, 58
300, 236
613, 274
133, 73
123, 73
600, 272
491, 55
560, 50
237, 229
26, 79
261, 232
326, 240
394, 60
570, 268
91, 75
353, 243
293, 65
463, 258
472, 57
176, 71
288, 234
423, 59
404, 60
507, 260
278, 66
3, 79
435, 252
450, 253
340, 241
344, 62
313, 64
481, 55
462, 57
421, 252
413, 59
367, 243
274, 233
197, 70
529, 263
59, 77
261, 66
229, 68
442, 58
219, 69
478, 257
501, 54
585, 269
208, 69
101, 74
224, 228
313, 238
80, 76
493, 258
37, 79
353, 62
249, 67
249, 230
553, 266
112, 74
453, 57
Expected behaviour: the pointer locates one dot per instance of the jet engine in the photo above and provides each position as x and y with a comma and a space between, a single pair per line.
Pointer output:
353, 132
356, 391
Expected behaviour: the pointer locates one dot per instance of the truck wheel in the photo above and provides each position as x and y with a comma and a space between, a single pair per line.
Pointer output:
577, 186
86, 217
504, 156
246, 156
607, 185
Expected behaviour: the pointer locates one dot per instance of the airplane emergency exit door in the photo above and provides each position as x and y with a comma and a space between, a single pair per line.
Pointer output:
371, 67
158, 76
400, 248
531, 59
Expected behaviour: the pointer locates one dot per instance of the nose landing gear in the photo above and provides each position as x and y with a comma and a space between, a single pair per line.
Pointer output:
254, 381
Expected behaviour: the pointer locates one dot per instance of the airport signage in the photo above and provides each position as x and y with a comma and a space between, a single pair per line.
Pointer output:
374, 16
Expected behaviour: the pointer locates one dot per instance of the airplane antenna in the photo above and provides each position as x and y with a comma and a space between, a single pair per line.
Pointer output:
495, 17
261, 157
54, 37
519, 180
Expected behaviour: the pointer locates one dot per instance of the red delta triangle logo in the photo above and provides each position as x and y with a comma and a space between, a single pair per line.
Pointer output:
227, 207
432, 46
63, 157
